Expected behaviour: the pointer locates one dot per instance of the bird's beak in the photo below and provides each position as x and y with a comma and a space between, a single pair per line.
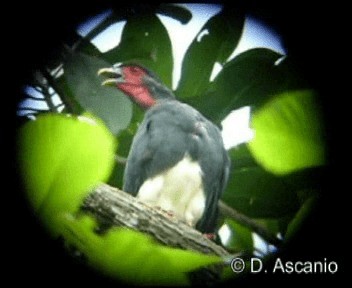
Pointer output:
114, 75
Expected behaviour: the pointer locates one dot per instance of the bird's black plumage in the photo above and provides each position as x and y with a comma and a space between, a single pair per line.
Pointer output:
169, 131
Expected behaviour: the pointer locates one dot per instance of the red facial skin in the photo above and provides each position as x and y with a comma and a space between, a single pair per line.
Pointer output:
134, 87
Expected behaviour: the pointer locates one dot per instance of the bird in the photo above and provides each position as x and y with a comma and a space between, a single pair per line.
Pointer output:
177, 160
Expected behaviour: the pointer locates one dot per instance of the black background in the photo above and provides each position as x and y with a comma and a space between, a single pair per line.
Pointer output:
32, 32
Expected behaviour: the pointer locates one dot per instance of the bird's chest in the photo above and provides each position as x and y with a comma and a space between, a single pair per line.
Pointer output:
178, 189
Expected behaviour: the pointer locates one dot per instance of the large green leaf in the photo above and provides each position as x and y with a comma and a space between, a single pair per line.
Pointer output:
61, 158
145, 41
87, 48
214, 43
110, 104
259, 194
125, 142
288, 133
132, 256
289, 75
241, 157
251, 78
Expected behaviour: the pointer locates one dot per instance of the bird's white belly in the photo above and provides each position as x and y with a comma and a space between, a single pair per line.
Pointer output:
178, 189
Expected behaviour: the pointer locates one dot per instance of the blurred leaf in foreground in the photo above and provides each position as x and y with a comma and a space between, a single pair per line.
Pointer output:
288, 133
133, 256
61, 159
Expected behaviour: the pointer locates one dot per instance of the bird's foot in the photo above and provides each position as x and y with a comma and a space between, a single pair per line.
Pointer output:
210, 236
170, 213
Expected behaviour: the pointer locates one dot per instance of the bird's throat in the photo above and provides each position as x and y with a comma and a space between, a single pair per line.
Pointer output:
139, 94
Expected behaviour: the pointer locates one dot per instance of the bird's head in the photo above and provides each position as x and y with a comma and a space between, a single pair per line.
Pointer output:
140, 84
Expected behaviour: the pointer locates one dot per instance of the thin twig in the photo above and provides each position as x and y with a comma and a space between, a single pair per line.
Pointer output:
111, 19
35, 98
249, 223
59, 105
41, 81
120, 160
38, 89
33, 109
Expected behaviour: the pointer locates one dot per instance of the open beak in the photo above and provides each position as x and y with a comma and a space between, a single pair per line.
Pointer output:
114, 75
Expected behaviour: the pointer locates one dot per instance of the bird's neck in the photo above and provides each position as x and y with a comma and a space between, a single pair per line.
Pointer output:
146, 95
138, 94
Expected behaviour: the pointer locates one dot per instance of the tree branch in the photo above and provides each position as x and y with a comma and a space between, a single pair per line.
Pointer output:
120, 159
112, 206
228, 211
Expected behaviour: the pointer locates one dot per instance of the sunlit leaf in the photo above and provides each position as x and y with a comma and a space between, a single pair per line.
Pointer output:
62, 158
145, 41
215, 42
132, 256
288, 133
110, 104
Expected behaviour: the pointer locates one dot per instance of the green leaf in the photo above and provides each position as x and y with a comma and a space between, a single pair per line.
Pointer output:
178, 13
296, 223
259, 194
278, 225
214, 43
145, 41
250, 79
288, 133
228, 274
108, 103
132, 256
241, 157
87, 48
290, 76
72, 106
125, 142
61, 159
241, 237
